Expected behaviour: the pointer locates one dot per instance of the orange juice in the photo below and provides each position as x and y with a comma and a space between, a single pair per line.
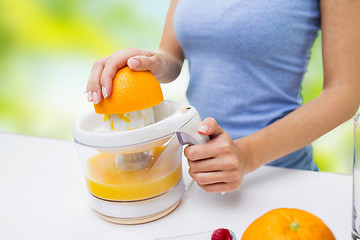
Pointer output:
106, 181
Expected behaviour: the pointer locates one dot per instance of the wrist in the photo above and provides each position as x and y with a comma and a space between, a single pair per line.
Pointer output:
171, 65
248, 154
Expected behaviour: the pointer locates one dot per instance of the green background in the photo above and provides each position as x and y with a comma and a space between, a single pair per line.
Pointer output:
48, 47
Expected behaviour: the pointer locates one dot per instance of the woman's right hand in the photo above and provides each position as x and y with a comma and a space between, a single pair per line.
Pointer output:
165, 63
100, 80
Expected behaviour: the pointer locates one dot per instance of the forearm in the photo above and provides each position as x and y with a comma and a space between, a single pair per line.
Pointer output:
301, 127
169, 49
339, 100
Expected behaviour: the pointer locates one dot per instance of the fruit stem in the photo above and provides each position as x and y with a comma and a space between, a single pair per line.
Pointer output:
294, 226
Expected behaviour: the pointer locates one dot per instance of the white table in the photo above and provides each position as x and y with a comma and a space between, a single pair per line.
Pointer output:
44, 196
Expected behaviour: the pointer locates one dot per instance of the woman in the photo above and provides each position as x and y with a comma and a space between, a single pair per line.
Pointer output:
247, 60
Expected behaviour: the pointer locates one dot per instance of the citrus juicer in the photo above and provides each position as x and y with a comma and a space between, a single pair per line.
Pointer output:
134, 175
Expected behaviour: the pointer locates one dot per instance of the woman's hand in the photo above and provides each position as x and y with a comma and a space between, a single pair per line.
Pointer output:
165, 63
158, 62
220, 164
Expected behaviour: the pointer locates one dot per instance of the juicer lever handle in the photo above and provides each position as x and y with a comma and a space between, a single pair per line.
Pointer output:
188, 134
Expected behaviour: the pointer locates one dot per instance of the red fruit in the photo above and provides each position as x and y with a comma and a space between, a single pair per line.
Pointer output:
221, 234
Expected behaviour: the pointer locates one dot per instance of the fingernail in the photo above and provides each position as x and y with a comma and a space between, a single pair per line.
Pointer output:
133, 63
89, 96
203, 128
104, 93
95, 98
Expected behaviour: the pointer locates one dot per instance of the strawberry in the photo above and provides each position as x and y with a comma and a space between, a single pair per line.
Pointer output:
222, 234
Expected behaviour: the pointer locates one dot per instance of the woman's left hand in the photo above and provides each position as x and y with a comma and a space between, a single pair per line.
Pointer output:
218, 165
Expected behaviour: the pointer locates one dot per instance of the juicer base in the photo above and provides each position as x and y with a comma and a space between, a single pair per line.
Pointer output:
133, 221
139, 211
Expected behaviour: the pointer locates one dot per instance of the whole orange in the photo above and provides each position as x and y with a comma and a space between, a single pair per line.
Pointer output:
132, 91
288, 224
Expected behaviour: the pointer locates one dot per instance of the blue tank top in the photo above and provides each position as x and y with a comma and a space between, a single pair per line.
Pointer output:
246, 60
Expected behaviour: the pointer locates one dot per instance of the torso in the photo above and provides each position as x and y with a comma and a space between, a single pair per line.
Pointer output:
246, 58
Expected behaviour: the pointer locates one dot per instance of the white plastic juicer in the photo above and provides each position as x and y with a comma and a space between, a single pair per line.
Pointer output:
135, 176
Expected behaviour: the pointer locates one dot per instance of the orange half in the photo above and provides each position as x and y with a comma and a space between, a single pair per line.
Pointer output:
132, 91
